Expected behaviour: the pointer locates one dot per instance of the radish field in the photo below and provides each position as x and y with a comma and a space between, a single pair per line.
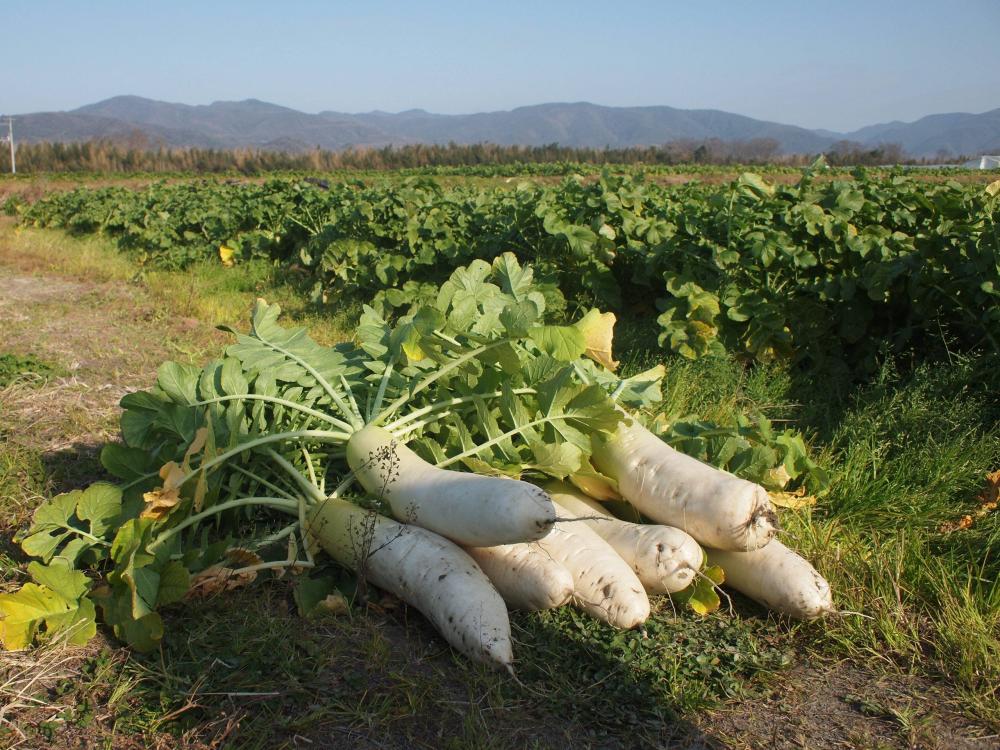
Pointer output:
836, 271
813, 362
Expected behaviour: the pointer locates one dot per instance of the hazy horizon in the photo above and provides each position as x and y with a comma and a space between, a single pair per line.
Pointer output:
521, 106
837, 68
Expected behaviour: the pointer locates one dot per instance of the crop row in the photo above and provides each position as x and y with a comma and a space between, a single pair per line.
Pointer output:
843, 269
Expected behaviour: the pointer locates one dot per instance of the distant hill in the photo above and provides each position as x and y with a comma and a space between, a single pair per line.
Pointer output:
583, 124
232, 124
958, 132
253, 123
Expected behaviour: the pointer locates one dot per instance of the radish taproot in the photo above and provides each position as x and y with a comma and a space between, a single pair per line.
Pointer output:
664, 558
716, 508
778, 578
424, 570
604, 585
470, 509
526, 577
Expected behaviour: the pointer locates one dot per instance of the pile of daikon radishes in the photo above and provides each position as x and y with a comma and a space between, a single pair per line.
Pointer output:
460, 456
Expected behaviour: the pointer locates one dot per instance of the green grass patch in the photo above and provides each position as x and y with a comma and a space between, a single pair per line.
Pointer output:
911, 454
221, 295
18, 367
23, 484
674, 665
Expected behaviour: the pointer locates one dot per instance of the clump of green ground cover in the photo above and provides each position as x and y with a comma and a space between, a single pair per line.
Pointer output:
24, 367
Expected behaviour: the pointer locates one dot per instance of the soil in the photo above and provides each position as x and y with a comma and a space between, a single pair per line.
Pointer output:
105, 337
843, 705
109, 339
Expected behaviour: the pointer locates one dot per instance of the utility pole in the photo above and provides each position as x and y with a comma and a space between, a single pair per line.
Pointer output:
10, 137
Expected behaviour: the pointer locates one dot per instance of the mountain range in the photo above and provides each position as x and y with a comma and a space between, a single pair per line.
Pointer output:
258, 124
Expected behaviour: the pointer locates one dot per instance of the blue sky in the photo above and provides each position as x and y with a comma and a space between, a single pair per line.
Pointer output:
839, 65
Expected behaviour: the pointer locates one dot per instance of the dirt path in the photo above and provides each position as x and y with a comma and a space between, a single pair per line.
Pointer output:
842, 705
108, 338
105, 339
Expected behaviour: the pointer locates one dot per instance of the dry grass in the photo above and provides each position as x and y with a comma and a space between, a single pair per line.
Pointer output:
65, 412
27, 679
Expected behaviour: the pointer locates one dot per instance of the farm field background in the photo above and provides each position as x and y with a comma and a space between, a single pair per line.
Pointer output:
854, 314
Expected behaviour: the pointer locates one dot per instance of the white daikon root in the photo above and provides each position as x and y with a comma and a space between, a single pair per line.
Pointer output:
526, 576
716, 508
604, 585
424, 570
472, 510
664, 558
778, 578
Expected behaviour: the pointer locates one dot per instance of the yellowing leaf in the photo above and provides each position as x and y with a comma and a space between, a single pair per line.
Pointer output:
242, 557
198, 443
993, 189
965, 522
218, 579
413, 350
701, 595
159, 503
200, 490
989, 500
226, 255
598, 332
334, 604
173, 476
60, 577
702, 329
204, 440
779, 477
24, 610
991, 495
200, 438
795, 499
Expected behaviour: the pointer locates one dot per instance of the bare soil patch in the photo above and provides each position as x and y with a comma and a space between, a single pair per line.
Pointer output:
106, 336
842, 705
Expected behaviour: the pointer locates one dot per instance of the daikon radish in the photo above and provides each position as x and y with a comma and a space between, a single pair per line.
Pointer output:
778, 578
472, 510
716, 508
526, 577
424, 570
604, 585
664, 558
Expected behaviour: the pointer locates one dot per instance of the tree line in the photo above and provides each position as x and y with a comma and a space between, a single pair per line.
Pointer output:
135, 155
